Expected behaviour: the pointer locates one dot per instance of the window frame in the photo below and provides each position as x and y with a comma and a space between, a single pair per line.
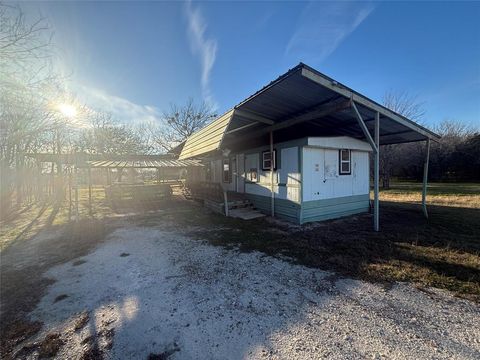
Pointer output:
274, 160
341, 162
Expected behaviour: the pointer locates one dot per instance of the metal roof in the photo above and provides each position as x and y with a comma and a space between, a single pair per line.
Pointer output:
207, 139
143, 164
302, 102
115, 161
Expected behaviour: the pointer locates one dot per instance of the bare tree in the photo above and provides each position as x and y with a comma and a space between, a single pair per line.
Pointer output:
179, 122
405, 105
107, 137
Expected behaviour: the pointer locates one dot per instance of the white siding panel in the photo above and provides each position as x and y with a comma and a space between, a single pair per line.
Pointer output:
289, 174
339, 142
322, 179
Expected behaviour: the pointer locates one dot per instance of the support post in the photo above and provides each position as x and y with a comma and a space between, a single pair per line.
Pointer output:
272, 158
376, 173
425, 179
90, 191
76, 194
364, 128
225, 201
70, 194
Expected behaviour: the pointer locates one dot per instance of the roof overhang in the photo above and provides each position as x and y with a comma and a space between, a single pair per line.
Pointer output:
302, 102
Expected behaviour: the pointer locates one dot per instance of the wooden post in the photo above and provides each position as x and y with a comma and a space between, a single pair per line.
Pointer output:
89, 191
225, 200
271, 175
376, 210
76, 195
70, 194
425, 179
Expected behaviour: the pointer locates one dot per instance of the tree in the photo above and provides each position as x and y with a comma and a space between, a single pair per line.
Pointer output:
390, 155
25, 81
108, 138
179, 122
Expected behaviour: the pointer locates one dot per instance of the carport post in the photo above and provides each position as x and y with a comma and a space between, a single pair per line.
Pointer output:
376, 210
375, 144
89, 190
272, 159
425, 180
76, 194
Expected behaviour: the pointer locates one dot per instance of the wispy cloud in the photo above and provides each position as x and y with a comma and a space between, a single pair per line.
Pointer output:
202, 46
323, 26
123, 111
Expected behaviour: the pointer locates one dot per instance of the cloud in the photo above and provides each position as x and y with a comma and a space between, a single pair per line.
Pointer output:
123, 111
323, 27
203, 47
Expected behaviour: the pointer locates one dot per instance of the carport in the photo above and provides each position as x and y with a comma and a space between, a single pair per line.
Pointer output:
73, 163
304, 102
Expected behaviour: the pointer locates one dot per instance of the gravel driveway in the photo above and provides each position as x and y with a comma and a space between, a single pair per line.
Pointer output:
147, 292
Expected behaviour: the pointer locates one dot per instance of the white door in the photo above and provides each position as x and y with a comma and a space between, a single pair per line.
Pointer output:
240, 173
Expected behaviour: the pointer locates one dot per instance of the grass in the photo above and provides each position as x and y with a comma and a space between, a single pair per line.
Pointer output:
444, 194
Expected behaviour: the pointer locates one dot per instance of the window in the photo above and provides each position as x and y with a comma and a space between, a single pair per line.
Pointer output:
267, 160
345, 162
227, 173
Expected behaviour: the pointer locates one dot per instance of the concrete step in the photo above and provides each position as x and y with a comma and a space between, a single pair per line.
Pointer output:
245, 214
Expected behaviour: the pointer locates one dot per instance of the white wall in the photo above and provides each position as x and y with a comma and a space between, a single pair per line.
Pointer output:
286, 179
321, 179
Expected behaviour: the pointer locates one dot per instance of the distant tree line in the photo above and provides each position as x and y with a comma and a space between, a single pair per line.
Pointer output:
455, 157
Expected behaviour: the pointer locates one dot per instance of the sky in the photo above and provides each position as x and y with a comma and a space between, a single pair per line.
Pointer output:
134, 59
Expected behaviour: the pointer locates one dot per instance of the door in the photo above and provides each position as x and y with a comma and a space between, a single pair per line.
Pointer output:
233, 162
240, 173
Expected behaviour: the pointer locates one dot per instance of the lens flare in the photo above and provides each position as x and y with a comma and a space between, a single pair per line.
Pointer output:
68, 110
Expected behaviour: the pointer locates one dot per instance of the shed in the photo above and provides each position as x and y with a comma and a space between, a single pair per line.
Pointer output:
298, 148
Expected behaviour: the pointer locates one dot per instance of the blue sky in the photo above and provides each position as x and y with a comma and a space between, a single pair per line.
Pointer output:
135, 58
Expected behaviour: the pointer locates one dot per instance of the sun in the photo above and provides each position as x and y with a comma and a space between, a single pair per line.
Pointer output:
70, 111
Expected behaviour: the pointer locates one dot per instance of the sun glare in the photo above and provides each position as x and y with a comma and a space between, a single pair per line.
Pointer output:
68, 110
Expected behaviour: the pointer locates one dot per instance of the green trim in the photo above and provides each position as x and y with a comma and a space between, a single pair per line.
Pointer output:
318, 210
284, 209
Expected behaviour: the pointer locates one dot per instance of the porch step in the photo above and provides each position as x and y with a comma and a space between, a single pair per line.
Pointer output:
239, 204
245, 213
187, 194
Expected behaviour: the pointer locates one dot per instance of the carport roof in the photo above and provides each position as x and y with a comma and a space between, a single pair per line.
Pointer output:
116, 161
302, 102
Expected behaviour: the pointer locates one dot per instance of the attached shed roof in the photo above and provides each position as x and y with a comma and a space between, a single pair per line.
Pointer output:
302, 102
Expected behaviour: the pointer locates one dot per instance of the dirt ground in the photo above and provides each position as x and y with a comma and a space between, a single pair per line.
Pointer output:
151, 287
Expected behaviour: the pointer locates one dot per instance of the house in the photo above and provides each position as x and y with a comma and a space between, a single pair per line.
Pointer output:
299, 148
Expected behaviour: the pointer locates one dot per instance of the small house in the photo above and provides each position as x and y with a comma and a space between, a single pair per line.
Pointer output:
299, 148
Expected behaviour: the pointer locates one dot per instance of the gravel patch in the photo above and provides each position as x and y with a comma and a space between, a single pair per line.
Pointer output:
177, 298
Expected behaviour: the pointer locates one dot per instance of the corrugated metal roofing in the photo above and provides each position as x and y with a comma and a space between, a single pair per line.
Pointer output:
207, 139
300, 93
143, 164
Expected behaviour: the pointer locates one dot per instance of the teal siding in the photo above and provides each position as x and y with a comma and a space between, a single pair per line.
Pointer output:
319, 210
284, 209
